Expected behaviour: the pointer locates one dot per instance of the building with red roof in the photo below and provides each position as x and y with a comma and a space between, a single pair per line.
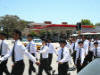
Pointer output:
58, 29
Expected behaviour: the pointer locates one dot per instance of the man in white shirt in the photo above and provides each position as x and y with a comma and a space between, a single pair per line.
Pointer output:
31, 47
44, 58
80, 56
69, 46
90, 53
51, 50
17, 54
74, 46
96, 50
63, 58
4, 49
86, 47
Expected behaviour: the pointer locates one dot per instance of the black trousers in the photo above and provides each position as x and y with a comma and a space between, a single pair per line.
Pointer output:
18, 68
43, 66
63, 69
50, 61
90, 56
31, 67
3, 68
74, 56
79, 67
86, 60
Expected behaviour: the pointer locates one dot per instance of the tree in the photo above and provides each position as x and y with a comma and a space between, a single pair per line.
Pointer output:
97, 24
34, 34
86, 22
11, 22
43, 34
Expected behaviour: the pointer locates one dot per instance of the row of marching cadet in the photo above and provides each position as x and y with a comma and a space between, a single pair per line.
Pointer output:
81, 50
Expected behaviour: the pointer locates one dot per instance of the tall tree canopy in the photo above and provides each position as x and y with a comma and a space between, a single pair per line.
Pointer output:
11, 22
86, 22
97, 24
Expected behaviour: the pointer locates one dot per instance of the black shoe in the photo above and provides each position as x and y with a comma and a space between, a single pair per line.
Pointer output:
68, 73
34, 70
72, 69
53, 72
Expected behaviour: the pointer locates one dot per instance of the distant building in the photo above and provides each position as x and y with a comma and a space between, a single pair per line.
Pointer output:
97, 28
57, 30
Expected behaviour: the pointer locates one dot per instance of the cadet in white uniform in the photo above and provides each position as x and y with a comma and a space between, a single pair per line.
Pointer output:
90, 53
50, 53
74, 46
80, 56
86, 47
4, 49
44, 59
63, 58
69, 46
31, 47
17, 54
96, 50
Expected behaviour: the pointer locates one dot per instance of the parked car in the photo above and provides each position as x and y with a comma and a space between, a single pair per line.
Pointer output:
38, 43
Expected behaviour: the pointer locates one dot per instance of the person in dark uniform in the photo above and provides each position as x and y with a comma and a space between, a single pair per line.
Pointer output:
4, 49
44, 59
31, 47
63, 58
17, 54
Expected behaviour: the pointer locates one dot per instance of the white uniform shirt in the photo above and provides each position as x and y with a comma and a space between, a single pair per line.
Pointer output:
86, 46
98, 42
76, 44
44, 51
51, 49
91, 45
82, 55
5, 47
66, 55
78, 40
94, 51
19, 50
32, 47
69, 46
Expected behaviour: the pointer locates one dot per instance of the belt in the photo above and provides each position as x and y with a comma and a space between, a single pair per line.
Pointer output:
2, 55
44, 59
18, 61
79, 59
65, 63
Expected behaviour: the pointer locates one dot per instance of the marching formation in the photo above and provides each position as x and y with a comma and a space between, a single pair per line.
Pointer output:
82, 50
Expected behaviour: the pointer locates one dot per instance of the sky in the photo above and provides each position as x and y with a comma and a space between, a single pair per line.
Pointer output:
57, 11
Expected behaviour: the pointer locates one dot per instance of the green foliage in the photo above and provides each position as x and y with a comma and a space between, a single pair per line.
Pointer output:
43, 33
97, 24
11, 22
86, 22
33, 33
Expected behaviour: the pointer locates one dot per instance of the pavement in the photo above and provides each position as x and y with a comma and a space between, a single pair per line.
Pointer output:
54, 64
